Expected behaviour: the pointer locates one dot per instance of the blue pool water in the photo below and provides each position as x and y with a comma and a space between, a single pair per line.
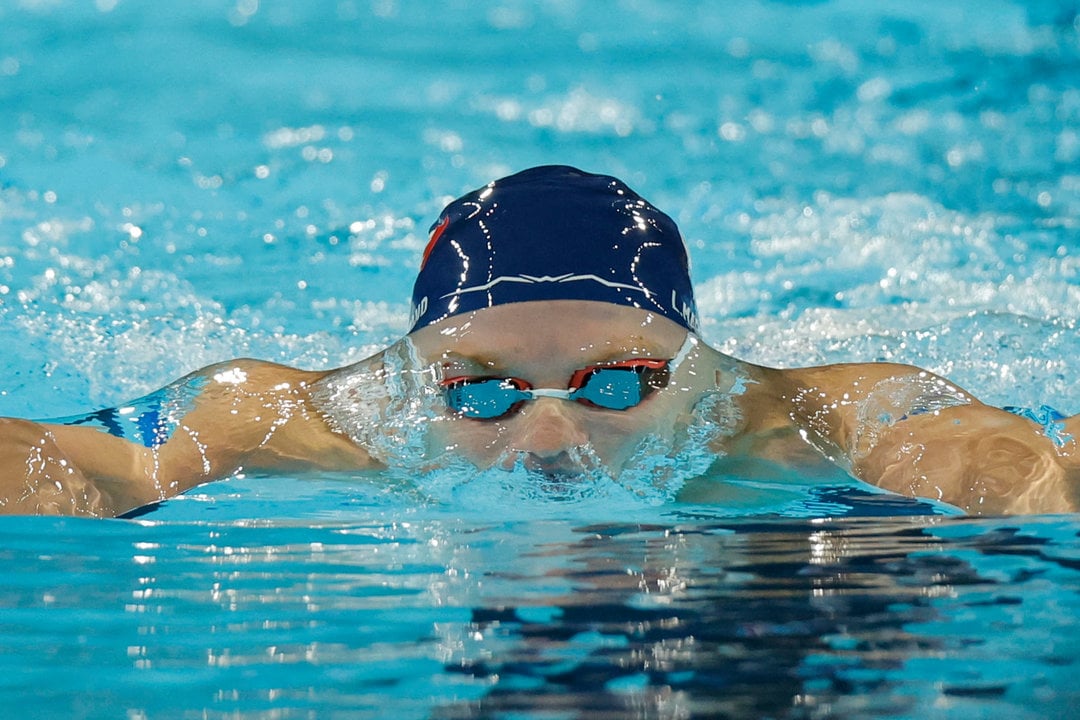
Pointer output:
183, 183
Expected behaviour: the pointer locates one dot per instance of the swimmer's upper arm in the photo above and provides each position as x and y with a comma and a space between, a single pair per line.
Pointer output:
252, 415
912, 432
979, 458
246, 415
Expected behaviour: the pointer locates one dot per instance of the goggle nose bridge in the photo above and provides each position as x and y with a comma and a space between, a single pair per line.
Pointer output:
551, 393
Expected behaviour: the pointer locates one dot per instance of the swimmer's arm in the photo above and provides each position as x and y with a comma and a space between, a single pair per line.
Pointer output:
945, 445
247, 416
92, 474
978, 458
254, 416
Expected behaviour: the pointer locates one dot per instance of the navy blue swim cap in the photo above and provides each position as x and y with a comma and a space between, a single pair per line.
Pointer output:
553, 233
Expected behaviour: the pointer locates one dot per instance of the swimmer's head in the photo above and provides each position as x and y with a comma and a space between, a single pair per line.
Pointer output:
553, 233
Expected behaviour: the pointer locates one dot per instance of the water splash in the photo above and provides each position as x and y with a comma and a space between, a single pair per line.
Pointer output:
385, 404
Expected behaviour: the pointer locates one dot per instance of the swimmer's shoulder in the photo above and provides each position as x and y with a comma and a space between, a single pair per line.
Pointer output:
778, 405
270, 375
849, 382
257, 374
275, 408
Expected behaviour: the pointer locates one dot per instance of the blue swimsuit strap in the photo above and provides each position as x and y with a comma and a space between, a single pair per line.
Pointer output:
149, 428
1049, 418
148, 421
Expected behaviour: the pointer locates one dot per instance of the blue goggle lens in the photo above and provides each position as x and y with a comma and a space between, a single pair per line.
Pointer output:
484, 397
611, 388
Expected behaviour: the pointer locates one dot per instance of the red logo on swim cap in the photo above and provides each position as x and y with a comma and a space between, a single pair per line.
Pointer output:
436, 233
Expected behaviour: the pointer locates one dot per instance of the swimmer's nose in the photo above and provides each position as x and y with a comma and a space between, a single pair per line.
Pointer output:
547, 428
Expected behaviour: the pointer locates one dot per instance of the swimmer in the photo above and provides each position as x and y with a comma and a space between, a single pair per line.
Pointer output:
553, 330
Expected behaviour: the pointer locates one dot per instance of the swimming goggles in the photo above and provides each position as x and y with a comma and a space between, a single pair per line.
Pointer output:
611, 386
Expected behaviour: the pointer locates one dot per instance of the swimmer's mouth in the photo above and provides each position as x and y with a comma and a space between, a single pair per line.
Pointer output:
557, 481
566, 477
562, 471
555, 474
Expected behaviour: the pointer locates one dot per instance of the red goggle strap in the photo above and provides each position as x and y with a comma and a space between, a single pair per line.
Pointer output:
468, 379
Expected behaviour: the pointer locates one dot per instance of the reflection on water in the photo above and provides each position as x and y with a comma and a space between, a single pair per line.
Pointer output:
463, 618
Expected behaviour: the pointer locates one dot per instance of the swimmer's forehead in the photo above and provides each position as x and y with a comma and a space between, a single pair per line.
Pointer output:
567, 335
520, 354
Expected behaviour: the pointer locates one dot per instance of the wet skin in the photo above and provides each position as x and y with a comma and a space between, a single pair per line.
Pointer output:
894, 426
